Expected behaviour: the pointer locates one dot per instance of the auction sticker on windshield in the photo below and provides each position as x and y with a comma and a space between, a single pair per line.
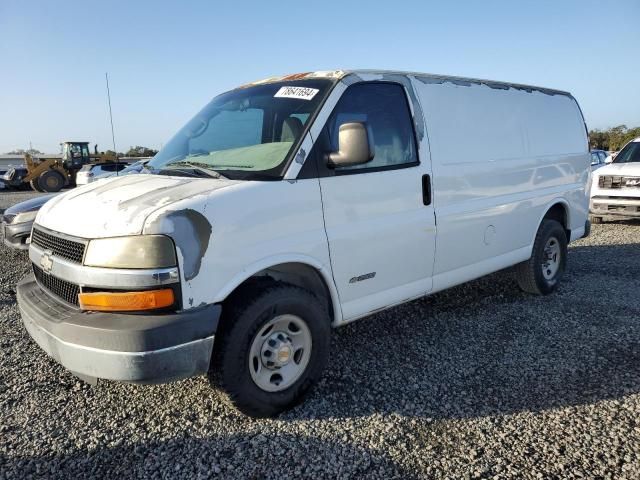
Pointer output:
302, 93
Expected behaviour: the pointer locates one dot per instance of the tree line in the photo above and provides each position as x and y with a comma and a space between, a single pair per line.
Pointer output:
136, 151
22, 151
612, 139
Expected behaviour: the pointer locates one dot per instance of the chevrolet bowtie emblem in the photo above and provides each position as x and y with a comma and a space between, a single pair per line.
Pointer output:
46, 262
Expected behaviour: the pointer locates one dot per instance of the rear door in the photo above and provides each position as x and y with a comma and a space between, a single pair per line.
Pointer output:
379, 220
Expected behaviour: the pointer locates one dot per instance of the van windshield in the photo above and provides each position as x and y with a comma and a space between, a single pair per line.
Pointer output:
248, 133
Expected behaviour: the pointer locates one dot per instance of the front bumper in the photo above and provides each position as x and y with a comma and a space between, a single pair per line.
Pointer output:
610, 205
16, 235
136, 348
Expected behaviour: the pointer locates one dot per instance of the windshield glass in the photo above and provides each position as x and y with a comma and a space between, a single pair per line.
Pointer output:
629, 154
247, 133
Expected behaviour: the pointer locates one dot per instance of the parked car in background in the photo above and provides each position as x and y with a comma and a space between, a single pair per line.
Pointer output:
12, 177
92, 172
616, 187
598, 158
252, 242
137, 167
17, 221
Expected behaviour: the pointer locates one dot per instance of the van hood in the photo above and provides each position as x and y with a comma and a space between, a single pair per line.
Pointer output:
115, 207
630, 168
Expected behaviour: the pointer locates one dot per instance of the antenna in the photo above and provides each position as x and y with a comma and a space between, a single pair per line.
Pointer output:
113, 137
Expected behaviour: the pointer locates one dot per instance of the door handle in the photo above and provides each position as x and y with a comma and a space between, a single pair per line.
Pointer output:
426, 189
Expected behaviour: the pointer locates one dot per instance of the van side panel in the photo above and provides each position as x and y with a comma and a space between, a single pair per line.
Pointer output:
501, 157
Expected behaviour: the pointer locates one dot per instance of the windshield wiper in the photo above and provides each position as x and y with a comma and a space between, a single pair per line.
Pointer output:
201, 168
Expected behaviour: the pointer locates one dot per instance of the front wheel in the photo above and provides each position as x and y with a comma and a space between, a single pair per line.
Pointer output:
51, 181
542, 272
273, 348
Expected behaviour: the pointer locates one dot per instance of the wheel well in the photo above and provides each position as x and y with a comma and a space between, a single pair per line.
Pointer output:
299, 274
558, 212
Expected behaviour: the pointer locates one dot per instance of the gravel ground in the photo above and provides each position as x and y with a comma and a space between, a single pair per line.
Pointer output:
475, 382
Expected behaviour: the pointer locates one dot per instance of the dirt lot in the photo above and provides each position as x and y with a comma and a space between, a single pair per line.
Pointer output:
478, 381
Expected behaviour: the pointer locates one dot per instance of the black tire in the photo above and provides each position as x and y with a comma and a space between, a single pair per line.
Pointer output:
529, 274
51, 181
595, 220
242, 321
35, 185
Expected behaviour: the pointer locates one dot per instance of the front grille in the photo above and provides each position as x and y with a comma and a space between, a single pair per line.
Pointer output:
61, 247
623, 208
60, 288
611, 181
615, 197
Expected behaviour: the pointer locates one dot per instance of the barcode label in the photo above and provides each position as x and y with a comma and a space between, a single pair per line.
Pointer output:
301, 93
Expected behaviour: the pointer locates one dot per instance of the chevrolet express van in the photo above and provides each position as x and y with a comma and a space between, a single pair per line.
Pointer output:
300, 203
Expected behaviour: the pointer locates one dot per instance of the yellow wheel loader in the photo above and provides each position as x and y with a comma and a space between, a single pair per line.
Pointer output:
47, 174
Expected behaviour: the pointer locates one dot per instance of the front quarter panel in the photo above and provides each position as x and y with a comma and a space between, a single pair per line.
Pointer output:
222, 236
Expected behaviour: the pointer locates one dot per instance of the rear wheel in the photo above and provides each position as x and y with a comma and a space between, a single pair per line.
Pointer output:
542, 272
51, 181
35, 184
273, 348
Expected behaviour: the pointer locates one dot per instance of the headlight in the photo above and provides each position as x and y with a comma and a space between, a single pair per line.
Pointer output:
25, 217
140, 251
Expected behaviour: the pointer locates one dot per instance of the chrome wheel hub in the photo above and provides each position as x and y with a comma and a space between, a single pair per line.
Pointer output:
280, 353
551, 258
277, 350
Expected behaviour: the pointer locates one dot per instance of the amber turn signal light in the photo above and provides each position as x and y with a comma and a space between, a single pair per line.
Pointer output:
126, 301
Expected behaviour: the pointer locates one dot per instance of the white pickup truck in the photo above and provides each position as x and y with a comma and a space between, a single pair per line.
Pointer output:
300, 203
616, 187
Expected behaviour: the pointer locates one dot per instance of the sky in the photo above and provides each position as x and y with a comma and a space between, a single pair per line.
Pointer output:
167, 59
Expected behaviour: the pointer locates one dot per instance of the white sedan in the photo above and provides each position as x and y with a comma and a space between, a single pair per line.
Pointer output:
91, 173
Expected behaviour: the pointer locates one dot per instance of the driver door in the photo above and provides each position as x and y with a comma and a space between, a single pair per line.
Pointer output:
379, 223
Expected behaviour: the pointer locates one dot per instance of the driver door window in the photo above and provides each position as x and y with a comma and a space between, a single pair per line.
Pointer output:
384, 109
85, 153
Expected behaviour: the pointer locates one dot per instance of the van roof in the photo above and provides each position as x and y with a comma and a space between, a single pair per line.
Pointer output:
428, 77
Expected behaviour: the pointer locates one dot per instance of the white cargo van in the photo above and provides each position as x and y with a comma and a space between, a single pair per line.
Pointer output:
300, 203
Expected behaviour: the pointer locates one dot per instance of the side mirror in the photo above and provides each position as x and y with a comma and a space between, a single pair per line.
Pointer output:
355, 146
609, 159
